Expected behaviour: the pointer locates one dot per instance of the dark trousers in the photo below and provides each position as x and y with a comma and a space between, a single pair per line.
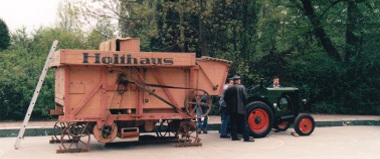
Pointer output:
239, 119
225, 118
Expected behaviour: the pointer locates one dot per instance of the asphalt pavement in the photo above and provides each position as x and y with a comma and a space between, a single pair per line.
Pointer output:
340, 142
45, 128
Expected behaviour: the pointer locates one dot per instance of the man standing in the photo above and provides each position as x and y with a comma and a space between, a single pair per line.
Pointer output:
202, 125
225, 117
235, 97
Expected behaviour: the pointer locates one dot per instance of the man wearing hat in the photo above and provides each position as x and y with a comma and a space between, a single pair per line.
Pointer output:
235, 97
225, 117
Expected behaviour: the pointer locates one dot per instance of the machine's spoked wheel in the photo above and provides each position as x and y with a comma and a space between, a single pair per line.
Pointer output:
198, 100
167, 128
259, 119
282, 126
77, 138
58, 131
304, 124
188, 134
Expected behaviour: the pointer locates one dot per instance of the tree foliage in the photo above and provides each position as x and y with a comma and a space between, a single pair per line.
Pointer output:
4, 35
21, 66
327, 48
318, 46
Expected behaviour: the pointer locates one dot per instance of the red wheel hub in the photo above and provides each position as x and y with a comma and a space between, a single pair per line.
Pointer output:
258, 120
305, 125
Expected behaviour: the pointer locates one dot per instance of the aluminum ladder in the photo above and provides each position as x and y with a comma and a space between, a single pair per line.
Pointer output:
35, 95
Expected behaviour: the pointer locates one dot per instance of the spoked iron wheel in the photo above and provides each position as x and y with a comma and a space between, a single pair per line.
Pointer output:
198, 100
304, 124
58, 131
167, 128
77, 138
188, 134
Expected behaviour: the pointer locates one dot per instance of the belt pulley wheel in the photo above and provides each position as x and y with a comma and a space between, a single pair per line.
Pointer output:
198, 100
105, 134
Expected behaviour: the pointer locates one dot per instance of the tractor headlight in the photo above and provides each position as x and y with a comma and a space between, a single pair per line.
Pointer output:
304, 101
276, 107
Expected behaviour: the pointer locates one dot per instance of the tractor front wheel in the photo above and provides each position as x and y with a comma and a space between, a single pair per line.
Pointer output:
304, 124
259, 119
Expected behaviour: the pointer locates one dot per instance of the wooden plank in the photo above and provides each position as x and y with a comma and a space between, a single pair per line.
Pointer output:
120, 58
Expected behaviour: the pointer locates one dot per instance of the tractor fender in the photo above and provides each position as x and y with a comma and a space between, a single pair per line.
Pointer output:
261, 99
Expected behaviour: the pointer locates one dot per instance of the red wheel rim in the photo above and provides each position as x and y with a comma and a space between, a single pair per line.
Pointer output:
258, 120
305, 125
283, 125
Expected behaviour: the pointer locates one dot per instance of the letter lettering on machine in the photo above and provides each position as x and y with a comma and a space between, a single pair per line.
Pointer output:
86, 58
128, 59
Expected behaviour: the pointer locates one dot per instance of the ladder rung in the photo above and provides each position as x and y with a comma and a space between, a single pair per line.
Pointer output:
35, 95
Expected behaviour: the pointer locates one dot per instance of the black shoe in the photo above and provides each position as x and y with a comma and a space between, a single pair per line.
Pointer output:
205, 131
224, 136
249, 140
235, 139
199, 132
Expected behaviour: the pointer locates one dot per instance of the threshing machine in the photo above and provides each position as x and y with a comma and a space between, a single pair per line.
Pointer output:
120, 92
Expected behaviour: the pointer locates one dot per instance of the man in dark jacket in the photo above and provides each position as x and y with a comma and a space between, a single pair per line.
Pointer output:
235, 97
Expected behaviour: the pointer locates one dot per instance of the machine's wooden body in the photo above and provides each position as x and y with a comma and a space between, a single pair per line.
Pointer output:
119, 88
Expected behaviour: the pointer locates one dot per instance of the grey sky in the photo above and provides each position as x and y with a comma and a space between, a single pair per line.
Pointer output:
29, 13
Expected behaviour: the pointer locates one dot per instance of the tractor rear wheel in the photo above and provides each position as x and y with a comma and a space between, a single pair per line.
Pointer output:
259, 119
304, 124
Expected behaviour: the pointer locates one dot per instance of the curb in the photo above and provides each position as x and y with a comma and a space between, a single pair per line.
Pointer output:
44, 131
13, 132
347, 123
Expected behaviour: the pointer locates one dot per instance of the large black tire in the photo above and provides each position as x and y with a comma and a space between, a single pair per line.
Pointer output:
304, 124
259, 119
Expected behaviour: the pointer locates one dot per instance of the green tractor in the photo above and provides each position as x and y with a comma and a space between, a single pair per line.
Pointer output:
277, 108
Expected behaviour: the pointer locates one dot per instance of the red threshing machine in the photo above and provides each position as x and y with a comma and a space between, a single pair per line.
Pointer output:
118, 91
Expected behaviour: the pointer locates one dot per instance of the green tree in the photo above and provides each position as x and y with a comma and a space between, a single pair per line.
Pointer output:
219, 28
94, 39
21, 66
326, 48
4, 35
337, 36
